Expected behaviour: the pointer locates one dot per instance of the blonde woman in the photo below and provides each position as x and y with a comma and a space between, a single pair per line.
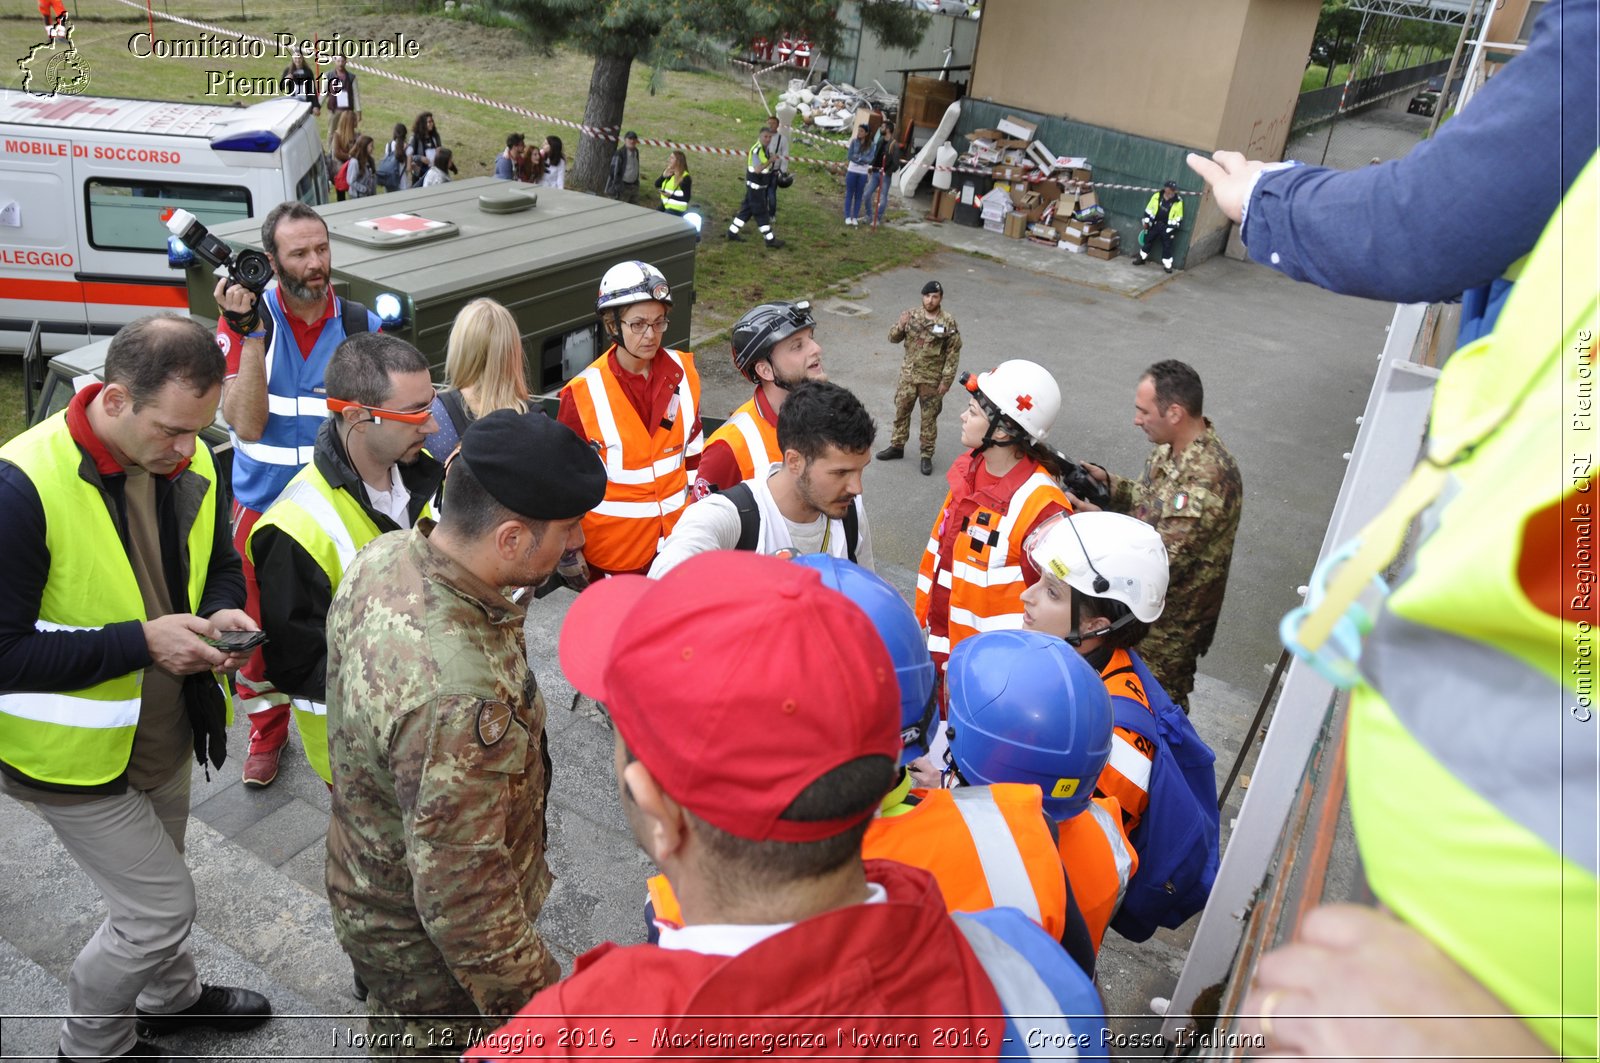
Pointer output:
486, 370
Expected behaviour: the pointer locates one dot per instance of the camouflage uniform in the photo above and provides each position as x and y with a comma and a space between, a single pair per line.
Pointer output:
440, 774
930, 363
1194, 501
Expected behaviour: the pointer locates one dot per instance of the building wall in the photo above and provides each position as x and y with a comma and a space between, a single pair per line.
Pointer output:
875, 62
1185, 75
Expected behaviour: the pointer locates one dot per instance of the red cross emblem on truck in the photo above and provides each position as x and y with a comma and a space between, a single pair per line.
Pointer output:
1024, 402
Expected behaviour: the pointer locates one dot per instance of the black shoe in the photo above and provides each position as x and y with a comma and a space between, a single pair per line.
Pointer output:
891, 453
141, 1050
774, 243
357, 986
735, 237
1138, 260
1168, 268
220, 1007
927, 466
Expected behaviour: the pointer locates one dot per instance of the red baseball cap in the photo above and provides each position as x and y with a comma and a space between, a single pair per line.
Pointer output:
739, 680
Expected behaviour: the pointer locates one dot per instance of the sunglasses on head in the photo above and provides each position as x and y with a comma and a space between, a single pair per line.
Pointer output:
380, 414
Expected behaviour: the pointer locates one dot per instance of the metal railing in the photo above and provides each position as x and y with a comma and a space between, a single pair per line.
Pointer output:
1324, 105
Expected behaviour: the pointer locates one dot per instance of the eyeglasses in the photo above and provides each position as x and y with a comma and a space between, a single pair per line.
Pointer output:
380, 414
640, 326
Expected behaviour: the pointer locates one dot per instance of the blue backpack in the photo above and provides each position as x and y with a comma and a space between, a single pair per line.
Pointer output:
1179, 834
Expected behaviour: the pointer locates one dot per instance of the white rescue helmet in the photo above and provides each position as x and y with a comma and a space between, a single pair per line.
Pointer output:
1021, 390
632, 282
1104, 555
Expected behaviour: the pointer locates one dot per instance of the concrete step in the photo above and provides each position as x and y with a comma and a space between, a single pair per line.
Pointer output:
256, 927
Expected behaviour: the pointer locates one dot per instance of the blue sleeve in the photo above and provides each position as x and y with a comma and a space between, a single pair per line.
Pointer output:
1460, 207
374, 322
36, 660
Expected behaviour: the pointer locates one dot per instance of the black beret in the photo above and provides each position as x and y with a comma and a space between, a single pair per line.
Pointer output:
933, 288
534, 465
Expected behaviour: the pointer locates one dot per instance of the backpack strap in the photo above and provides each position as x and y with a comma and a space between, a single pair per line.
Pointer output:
744, 501
852, 528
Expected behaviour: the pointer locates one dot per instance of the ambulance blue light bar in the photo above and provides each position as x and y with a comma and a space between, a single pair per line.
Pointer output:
263, 141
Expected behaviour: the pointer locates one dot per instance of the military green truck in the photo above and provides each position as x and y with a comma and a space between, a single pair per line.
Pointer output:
417, 257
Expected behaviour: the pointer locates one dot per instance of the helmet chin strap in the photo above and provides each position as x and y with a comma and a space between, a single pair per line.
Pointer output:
621, 333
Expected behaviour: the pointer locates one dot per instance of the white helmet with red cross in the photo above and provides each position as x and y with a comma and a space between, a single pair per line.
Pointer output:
1019, 389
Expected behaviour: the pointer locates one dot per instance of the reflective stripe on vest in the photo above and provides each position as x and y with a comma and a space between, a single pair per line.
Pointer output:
296, 408
647, 480
1126, 775
673, 198
985, 578
1473, 760
753, 441
1003, 868
84, 737
1099, 862
329, 524
1023, 994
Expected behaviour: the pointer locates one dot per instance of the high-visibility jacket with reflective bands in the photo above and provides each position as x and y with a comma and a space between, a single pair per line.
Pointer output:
297, 404
751, 437
754, 175
1474, 741
674, 200
647, 482
1100, 860
1174, 212
988, 847
1126, 775
330, 526
975, 553
84, 737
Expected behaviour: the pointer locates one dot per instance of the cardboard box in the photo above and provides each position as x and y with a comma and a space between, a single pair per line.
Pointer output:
1068, 245
1019, 195
994, 226
1106, 240
1016, 224
1049, 191
1087, 199
944, 205
1072, 234
1009, 173
1018, 128
1105, 253
1046, 233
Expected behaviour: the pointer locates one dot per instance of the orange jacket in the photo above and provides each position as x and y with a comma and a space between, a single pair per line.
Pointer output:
647, 483
1099, 860
987, 846
971, 578
752, 440
1126, 775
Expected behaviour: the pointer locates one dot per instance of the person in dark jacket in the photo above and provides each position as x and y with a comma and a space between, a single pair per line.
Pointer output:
623, 180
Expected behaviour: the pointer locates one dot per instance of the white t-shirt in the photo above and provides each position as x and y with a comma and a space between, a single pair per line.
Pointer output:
434, 176
731, 939
713, 524
394, 503
554, 176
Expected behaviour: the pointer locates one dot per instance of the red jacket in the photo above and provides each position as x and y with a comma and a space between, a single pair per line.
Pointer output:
826, 986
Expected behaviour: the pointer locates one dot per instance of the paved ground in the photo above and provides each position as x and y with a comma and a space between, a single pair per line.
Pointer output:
1381, 132
1287, 369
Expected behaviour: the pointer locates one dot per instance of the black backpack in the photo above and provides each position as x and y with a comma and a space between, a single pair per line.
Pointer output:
744, 500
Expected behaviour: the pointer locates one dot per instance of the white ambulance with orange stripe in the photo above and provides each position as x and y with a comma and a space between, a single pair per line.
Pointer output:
83, 184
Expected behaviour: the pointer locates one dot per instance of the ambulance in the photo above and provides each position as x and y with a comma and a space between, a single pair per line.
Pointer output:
84, 182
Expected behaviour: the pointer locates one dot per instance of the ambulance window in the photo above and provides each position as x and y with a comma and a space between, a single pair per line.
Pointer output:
309, 189
126, 215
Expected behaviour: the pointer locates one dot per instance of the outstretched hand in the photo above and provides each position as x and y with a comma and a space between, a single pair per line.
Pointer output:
1228, 174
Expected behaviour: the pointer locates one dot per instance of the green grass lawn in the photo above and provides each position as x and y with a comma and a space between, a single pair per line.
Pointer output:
690, 107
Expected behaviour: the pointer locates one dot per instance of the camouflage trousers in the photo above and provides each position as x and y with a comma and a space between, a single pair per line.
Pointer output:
906, 396
425, 1014
1172, 659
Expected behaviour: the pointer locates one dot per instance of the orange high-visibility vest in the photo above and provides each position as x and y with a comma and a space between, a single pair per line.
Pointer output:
988, 847
1099, 860
647, 483
980, 562
751, 437
1126, 775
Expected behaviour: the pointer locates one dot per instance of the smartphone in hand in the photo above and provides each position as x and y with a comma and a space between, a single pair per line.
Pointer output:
238, 641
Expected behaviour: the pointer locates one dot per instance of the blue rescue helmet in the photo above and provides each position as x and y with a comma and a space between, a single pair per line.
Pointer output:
1026, 707
902, 635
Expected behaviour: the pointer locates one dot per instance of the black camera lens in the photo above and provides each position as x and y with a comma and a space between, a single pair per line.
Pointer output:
252, 269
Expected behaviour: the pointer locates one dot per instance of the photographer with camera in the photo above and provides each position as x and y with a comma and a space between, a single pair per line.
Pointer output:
278, 336
1192, 494
974, 570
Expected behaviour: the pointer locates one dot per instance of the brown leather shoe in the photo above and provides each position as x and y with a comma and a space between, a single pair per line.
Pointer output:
261, 767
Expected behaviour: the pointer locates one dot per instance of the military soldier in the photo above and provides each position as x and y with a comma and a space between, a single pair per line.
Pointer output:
436, 845
933, 353
1192, 494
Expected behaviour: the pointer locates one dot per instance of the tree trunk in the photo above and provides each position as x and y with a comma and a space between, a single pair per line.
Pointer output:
608, 94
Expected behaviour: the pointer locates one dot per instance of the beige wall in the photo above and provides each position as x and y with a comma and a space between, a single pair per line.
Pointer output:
1155, 68
1506, 22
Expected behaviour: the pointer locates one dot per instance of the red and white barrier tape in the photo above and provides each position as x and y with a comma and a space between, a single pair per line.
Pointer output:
609, 134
